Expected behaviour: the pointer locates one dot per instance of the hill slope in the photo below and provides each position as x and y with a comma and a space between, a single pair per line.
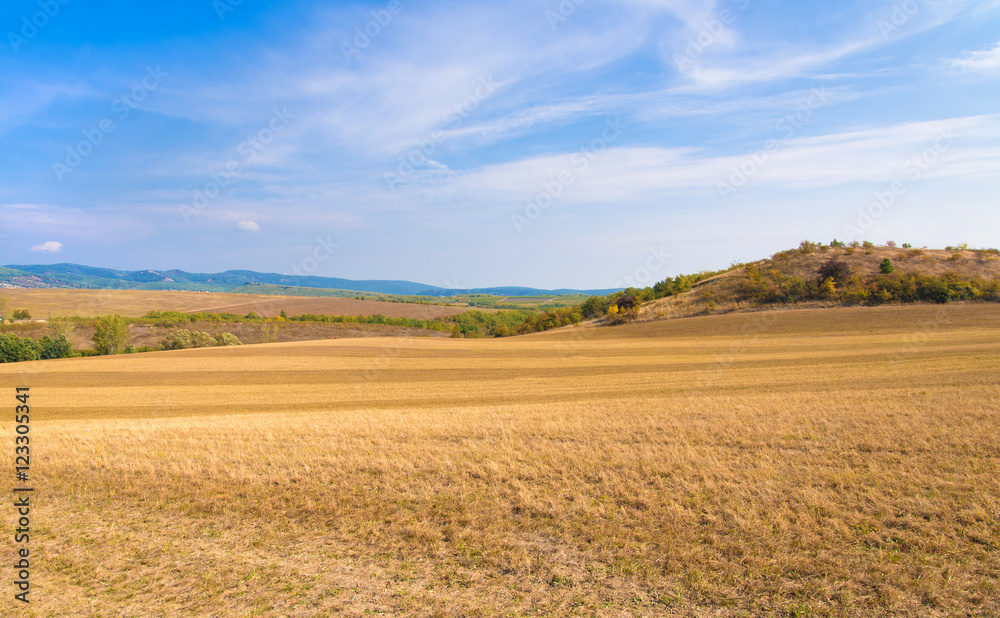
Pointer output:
792, 279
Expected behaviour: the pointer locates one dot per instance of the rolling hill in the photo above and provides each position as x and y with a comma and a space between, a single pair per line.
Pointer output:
89, 277
792, 279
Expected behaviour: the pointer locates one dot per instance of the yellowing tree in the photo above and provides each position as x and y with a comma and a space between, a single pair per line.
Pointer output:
828, 288
110, 334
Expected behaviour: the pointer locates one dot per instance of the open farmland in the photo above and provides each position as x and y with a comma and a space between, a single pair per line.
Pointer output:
134, 303
795, 463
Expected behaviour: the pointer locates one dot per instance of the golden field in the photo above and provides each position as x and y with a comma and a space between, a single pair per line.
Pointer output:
836, 462
134, 303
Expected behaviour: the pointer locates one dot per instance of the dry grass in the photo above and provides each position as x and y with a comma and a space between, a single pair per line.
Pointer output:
134, 303
723, 288
811, 463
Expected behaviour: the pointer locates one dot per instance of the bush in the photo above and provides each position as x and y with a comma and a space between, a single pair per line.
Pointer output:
228, 339
55, 347
185, 339
886, 266
807, 246
110, 334
840, 272
21, 314
594, 306
14, 349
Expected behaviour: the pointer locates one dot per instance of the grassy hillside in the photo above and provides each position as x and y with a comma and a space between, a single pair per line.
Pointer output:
792, 279
804, 463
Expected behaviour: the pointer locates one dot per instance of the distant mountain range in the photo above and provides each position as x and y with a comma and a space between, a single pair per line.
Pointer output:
245, 281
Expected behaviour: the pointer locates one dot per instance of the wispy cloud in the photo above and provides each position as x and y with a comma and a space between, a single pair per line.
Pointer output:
984, 61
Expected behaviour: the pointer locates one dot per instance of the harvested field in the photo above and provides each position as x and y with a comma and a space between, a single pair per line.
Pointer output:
134, 303
796, 463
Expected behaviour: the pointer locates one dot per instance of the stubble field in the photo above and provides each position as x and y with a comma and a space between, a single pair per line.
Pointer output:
796, 463
134, 303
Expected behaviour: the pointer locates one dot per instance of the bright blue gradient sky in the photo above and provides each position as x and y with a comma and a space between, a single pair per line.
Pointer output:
473, 144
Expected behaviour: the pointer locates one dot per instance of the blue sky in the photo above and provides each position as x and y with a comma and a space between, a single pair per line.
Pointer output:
579, 143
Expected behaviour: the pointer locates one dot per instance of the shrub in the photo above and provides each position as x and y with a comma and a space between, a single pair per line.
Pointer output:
840, 272
21, 314
890, 243
807, 246
933, 288
907, 245
110, 334
886, 266
837, 244
628, 306
185, 339
54, 347
14, 349
228, 339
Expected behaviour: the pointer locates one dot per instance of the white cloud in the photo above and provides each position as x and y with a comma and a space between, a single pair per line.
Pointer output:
49, 247
948, 148
984, 61
248, 226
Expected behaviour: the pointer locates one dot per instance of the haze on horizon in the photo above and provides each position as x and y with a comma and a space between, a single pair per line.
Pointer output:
550, 144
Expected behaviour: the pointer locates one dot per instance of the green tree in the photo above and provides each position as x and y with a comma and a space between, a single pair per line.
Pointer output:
886, 267
54, 347
110, 334
21, 314
14, 349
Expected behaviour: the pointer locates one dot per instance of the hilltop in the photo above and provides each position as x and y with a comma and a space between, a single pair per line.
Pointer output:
851, 275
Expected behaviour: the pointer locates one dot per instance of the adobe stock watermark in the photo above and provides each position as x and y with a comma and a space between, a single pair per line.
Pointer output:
222, 7
643, 275
713, 29
902, 12
755, 160
367, 32
122, 107
454, 116
31, 26
755, 327
563, 12
552, 190
914, 342
915, 168
248, 149
322, 251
